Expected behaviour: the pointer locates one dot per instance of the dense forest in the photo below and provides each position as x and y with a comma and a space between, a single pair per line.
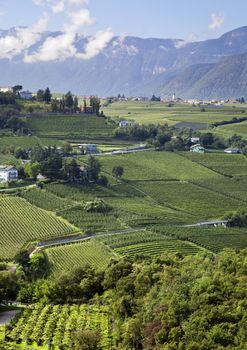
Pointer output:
170, 302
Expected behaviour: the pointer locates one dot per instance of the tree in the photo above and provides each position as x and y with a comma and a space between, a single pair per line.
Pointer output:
47, 95
72, 170
75, 105
40, 95
95, 104
87, 340
117, 171
94, 167
22, 258
17, 89
54, 105
32, 170
69, 100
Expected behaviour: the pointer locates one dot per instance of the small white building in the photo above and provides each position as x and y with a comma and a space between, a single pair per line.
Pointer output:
8, 173
124, 123
26, 95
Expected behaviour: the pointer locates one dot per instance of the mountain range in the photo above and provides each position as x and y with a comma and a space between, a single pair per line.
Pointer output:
140, 67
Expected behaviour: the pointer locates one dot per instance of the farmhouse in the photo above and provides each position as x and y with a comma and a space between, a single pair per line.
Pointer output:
8, 173
197, 148
233, 151
26, 95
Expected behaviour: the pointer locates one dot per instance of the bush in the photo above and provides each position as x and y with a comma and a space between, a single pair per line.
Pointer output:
97, 206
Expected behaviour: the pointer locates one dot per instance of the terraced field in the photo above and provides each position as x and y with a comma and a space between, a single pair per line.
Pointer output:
147, 243
67, 257
20, 222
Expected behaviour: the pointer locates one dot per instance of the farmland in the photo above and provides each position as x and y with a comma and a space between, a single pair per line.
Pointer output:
153, 112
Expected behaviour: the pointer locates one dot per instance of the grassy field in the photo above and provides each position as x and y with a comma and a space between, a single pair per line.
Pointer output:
20, 222
158, 112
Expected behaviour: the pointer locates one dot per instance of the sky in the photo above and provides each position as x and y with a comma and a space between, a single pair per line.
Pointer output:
191, 20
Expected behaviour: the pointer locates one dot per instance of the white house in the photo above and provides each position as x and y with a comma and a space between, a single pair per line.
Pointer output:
8, 173
26, 95
195, 139
124, 123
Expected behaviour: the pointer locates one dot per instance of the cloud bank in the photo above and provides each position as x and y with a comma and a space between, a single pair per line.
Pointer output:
62, 46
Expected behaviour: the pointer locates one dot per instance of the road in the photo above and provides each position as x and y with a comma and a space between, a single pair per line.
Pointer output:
80, 238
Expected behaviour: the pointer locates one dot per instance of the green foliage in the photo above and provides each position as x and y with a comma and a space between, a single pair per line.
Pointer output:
97, 206
237, 219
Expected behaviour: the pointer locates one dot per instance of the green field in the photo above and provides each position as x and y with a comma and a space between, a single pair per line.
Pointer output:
232, 129
159, 112
20, 223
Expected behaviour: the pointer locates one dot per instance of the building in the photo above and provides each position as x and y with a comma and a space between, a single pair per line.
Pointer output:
195, 140
8, 173
197, 148
124, 123
233, 151
6, 89
87, 109
26, 95
89, 148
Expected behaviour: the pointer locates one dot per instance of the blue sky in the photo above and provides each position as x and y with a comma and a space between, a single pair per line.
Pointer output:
145, 18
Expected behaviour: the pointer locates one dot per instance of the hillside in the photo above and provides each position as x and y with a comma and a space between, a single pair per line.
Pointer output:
132, 66
225, 79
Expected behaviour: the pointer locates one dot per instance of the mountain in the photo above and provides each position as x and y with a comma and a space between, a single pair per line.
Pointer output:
136, 66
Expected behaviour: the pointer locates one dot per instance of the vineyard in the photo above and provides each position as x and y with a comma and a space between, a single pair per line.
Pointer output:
225, 164
157, 166
213, 239
70, 126
55, 326
20, 222
66, 258
190, 198
45, 200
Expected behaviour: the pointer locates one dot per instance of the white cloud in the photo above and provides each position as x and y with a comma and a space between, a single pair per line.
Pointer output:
216, 21
78, 2
62, 46
12, 45
96, 44
179, 44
